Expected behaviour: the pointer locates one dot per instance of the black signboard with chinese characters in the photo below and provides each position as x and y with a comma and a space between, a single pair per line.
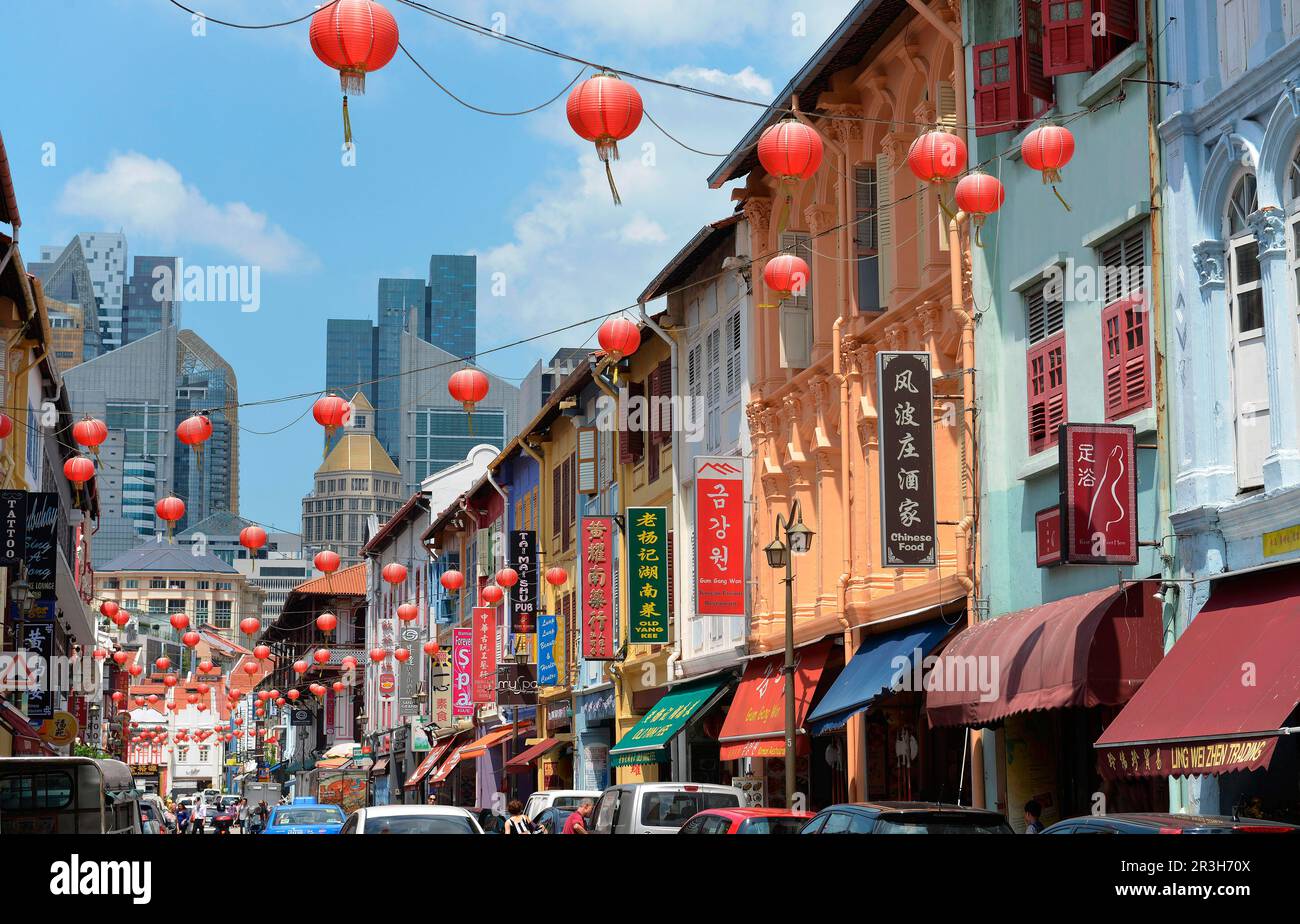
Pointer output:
41, 554
907, 508
13, 527
523, 596
38, 640
1098, 494
516, 685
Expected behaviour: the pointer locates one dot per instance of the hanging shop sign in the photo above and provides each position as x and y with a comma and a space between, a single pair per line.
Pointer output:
41, 554
1047, 530
906, 434
598, 707
485, 654
38, 643
440, 682
304, 718
647, 569
462, 643
1098, 494
719, 536
516, 685
408, 672
523, 596
387, 684
597, 590
548, 652
13, 527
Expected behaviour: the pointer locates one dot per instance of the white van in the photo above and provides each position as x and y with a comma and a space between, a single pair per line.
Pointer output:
567, 799
659, 808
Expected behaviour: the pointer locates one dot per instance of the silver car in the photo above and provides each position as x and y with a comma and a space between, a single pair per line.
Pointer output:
411, 819
658, 808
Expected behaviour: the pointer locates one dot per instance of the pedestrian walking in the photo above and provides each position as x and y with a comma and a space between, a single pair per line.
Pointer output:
577, 822
259, 816
200, 816
517, 823
241, 815
182, 819
1033, 812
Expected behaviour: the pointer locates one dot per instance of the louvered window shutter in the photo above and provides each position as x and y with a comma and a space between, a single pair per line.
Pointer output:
1047, 392
796, 314
1067, 37
587, 461
884, 228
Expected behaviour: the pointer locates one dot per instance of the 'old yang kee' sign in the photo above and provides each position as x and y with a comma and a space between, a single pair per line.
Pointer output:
907, 510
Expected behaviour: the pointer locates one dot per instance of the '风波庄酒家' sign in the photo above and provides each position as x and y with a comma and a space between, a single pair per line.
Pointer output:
906, 435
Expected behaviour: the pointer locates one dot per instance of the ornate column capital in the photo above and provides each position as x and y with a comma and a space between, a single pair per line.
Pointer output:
758, 212
819, 218
846, 127
1208, 257
1269, 227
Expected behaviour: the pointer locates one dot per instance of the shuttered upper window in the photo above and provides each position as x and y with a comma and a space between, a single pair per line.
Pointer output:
1043, 316
587, 461
1045, 373
997, 92
867, 239
1126, 355
1082, 35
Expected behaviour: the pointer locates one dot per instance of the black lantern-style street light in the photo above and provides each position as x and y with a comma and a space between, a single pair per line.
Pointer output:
798, 541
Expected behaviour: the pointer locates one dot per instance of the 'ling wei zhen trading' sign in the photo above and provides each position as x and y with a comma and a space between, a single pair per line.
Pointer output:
719, 536
907, 508
1098, 494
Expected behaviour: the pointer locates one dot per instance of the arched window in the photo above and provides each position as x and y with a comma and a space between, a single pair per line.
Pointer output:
1293, 220
1246, 315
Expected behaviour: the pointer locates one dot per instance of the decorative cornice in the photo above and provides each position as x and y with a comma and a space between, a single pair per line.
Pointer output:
845, 128
1208, 257
1269, 227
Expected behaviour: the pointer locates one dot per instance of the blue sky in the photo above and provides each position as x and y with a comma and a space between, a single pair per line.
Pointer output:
224, 148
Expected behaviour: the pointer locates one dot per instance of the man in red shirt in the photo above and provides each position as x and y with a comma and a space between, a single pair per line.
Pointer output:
577, 822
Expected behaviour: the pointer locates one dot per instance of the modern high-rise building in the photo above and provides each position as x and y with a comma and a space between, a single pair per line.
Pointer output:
67, 335
104, 255
537, 385
142, 391
65, 276
360, 356
151, 300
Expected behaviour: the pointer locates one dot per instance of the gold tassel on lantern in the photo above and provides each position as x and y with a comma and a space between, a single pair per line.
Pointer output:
347, 124
608, 150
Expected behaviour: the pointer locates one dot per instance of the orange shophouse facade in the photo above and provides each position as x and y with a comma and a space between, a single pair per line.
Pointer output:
879, 254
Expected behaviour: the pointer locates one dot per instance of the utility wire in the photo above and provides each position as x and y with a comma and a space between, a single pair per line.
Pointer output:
269, 25
491, 112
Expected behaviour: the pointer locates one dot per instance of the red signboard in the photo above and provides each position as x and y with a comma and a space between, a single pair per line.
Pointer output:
484, 660
1098, 494
719, 536
1047, 527
462, 686
596, 593
755, 723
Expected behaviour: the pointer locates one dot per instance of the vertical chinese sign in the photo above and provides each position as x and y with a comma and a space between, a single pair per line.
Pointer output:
596, 603
462, 643
907, 509
647, 575
1098, 494
523, 596
484, 666
440, 683
719, 536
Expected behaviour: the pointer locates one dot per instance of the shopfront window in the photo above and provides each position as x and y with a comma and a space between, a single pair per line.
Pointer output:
1249, 359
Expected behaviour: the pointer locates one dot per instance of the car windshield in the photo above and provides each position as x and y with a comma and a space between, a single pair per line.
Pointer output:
418, 824
308, 816
674, 809
930, 824
772, 826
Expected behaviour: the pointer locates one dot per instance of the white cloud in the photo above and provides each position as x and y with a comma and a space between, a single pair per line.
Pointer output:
149, 198
745, 82
642, 230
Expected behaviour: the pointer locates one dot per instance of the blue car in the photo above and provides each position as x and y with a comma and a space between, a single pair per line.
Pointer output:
304, 816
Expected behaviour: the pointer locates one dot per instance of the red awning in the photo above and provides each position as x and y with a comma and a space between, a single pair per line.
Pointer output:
23, 731
1094, 649
755, 723
493, 738
448, 765
523, 761
1196, 714
430, 760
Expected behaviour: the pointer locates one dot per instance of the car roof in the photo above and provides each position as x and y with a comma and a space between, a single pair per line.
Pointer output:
381, 811
1176, 820
928, 808
742, 813
676, 787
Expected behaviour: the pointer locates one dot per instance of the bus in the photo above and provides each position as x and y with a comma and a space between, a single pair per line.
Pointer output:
67, 795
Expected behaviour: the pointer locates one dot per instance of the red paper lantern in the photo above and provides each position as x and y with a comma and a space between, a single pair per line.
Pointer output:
331, 412
619, 337
401, 654
408, 612
262, 652
394, 573
170, 509
6, 426
1047, 149
99, 654
557, 576
205, 665
109, 609
293, 695
179, 621
119, 657
252, 538
790, 150
348, 663
318, 689
492, 594
786, 275
170, 680
326, 561
117, 696
121, 618
162, 663
452, 580
507, 577
937, 157
79, 470
978, 195
135, 670
327, 622
321, 656
338, 686
90, 432
469, 387
203, 689
190, 639
250, 625
354, 37
605, 110
377, 654
300, 667
194, 431
431, 648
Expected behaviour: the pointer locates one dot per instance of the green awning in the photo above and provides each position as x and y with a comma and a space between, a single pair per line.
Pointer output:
644, 742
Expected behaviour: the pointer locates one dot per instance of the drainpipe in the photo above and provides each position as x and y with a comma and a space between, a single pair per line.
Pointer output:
675, 654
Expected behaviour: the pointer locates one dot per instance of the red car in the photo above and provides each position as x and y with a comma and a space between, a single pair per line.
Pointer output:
746, 821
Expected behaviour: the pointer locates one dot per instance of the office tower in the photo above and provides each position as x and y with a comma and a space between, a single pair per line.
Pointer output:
451, 316
541, 380
142, 391
65, 276
67, 336
152, 297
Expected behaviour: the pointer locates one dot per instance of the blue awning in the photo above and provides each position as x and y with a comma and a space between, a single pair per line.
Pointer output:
871, 672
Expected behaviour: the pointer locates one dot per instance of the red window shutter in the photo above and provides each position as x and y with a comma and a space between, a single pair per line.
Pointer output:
1047, 392
1119, 21
1126, 356
665, 388
1067, 37
557, 499
631, 443
570, 504
997, 86
1033, 82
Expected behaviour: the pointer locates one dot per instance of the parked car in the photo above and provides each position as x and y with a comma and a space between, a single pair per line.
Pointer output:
411, 819
568, 799
152, 820
1168, 823
304, 815
489, 821
551, 820
658, 808
906, 818
746, 821
167, 819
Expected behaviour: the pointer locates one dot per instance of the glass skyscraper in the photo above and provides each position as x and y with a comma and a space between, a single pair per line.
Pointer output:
142, 313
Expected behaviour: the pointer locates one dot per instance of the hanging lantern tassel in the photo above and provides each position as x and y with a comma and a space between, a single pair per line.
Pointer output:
978, 222
347, 123
469, 413
943, 206
607, 150
1053, 177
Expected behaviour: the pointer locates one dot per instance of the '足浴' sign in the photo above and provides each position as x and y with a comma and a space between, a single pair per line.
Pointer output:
906, 434
1098, 494
462, 643
647, 575
523, 596
719, 536
596, 590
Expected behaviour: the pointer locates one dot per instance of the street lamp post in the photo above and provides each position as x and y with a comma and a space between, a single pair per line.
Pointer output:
798, 541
